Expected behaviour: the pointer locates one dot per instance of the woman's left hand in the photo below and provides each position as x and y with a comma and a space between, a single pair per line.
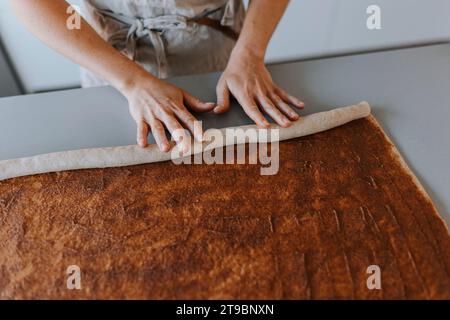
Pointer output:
248, 80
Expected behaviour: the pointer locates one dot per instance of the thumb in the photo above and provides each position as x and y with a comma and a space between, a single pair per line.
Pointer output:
197, 105
223, 98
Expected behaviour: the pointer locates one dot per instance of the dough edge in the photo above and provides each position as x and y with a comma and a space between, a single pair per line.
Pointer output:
135, 155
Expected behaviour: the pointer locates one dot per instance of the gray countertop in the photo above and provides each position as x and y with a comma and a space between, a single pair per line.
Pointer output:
409, 90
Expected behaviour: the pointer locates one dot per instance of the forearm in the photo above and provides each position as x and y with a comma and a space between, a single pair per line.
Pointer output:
262, 19
47, 19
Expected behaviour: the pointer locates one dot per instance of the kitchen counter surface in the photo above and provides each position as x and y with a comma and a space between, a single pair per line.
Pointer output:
409, 90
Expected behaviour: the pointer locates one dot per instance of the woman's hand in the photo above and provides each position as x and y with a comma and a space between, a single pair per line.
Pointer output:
247, 78
156, 105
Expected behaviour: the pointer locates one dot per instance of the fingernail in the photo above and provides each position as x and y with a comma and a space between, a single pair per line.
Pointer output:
217, 109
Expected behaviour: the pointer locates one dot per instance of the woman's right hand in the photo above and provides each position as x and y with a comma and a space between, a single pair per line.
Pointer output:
156, 105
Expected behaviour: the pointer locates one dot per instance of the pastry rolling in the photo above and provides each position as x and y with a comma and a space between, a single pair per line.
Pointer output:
134, 155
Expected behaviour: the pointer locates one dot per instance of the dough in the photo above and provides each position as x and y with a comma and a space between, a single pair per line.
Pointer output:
134, 155
343, 200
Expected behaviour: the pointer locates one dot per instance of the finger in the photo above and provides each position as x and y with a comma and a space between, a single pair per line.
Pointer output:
196, 105
190, 122
252, 110
284, 107
223, 98
178, 133
159, 133
273, 111
289, 99
142, 133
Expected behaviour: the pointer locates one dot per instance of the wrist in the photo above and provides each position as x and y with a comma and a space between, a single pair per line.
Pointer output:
243, 52
128, 80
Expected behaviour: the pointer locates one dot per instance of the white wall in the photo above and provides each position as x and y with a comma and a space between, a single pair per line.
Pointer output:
39, 67
321, 27
310, 28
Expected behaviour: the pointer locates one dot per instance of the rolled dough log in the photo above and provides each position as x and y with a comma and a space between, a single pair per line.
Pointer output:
134, 155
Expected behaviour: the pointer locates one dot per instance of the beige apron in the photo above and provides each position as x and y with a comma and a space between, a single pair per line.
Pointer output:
163, 35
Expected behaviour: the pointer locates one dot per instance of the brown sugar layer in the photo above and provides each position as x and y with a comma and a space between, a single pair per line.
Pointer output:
342, 201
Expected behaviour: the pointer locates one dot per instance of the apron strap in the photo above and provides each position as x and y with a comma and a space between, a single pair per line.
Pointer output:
149, 27
153, 29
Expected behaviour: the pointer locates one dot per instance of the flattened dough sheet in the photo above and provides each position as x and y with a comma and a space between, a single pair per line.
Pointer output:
134, 155
343, 200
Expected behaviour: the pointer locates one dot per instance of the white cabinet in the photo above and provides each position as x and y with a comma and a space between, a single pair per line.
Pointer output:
310, 28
